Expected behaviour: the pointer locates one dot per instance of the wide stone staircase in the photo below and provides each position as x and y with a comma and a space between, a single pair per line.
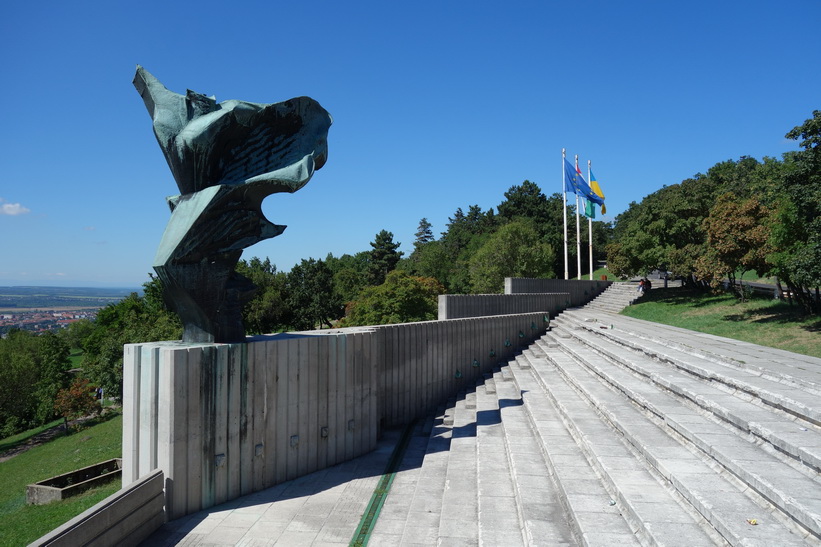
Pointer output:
615, 431
615, 298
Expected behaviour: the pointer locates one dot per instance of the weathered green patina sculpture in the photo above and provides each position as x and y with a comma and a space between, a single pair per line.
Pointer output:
226, 158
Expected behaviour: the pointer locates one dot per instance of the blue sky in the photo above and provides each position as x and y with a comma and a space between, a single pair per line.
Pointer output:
436, 105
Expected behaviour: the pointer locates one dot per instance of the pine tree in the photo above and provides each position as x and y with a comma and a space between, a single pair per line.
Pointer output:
384, 257
423, 234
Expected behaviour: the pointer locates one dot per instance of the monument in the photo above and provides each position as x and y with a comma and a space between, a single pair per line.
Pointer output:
225, 158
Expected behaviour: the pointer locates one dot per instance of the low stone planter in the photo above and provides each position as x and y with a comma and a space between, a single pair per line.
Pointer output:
70, 484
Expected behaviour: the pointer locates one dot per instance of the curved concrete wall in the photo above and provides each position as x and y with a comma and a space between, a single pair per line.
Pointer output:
225, 420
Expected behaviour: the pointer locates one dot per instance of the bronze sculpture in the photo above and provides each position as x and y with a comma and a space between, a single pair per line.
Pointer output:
226, 158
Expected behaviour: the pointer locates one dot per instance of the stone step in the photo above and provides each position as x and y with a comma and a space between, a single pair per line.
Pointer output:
421, 523
459, 517
724, 502
777, 388
499, 513
798, 370
393, 517
655, 513
560, 493
753, 409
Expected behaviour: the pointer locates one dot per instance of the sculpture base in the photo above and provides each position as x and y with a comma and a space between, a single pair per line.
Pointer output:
225, 420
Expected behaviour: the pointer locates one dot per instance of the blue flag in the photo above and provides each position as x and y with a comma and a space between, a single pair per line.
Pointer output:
569, 177
580, 185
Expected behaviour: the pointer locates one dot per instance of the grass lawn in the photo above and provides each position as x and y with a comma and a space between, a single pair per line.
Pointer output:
761, 321
21, 524
76, 357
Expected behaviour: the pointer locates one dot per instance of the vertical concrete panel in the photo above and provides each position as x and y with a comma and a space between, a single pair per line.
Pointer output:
194, 460
270, 421
172, 428
424, 356
412, 361
209, 378
377, 356
282, 423
364, 423
147, 460
396, 392
258, 412
292, 444
233, 460
342, 387
131, 413
350, 395
321, 438
333, 394
303, 406
311, 433
221, 455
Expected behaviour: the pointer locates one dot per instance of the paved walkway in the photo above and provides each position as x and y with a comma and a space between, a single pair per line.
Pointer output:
323, 508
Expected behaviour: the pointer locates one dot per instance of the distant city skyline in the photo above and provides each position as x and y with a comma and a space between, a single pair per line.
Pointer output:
436, 106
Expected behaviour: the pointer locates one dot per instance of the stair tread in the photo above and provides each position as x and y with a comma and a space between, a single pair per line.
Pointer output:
717, 498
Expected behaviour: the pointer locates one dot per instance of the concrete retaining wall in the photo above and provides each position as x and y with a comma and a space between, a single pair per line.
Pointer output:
422, 364
457, 306
225, 420
125, 518
581, 291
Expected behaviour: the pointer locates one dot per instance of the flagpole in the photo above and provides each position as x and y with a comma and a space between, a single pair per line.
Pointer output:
578, 233
590, 226
564, 213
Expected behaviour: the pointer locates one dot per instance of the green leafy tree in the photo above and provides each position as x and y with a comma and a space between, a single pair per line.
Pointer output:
525, 200
515, 250
33, 368
54, 365
796, 233
384, 257
75, 334
465, 234
350, 274
76, 401
430, 260
134, 319
268, 310
402, 298
737, 240
311, 296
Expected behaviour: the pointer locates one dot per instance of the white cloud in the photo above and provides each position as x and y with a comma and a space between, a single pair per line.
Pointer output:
12, 208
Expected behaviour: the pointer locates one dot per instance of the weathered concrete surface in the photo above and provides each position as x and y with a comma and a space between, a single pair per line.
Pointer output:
226, 420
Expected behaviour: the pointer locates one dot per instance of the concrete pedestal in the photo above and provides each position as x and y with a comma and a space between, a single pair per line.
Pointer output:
225, 420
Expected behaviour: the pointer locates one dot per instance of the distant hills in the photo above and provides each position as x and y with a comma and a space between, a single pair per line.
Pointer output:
61, 297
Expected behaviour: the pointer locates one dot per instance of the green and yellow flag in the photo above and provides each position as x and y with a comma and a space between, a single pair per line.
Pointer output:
594, 185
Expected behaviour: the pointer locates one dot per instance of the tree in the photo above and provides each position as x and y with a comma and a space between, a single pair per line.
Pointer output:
311, 295
33, 368
77, 401
384, 257
796, 234
423, 234
402, 298
515, 250
54, 375
135, 319
737, 235
350, 274
267, 311
525, 201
